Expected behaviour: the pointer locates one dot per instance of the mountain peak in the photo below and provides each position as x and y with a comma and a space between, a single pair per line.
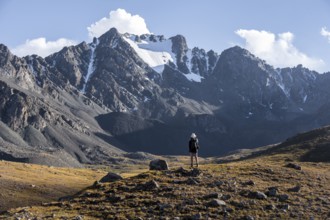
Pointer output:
238, 51
4, 54
109, 37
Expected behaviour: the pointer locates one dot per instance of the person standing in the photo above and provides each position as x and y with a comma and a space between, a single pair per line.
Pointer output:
193, 149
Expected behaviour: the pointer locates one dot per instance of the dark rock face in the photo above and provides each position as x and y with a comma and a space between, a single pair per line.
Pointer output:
180, 48
72, 62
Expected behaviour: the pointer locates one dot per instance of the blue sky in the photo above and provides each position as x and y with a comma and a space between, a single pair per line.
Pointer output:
283, 32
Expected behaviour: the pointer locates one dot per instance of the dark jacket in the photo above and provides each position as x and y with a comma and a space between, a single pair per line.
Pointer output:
193, 145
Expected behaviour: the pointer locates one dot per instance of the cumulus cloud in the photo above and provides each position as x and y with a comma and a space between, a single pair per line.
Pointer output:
279, 50
41, 46
123, 21
325, 33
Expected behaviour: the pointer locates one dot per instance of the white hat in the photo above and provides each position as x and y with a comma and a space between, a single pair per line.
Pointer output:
193, 135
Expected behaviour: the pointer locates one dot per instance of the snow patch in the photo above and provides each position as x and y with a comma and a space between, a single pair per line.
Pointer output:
194, 77
271, 105
155, 54
305, 98
91, 67
249, 115
279, 81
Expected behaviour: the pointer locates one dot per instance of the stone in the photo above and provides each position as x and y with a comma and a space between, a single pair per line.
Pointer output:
219, 183
248, 183
114, 199
216, 203
111, 177
257, 195
182, 171
195, 172
196, 216
240, 205
270, 207
191, 202
226, 197
158, 164
295, 189
212, 196
163, 206
192, 181
272, 191
293, 165
283, 206
151, 185
283, 197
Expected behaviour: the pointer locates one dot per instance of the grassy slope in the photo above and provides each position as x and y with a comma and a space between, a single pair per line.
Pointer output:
177, 198
24, 184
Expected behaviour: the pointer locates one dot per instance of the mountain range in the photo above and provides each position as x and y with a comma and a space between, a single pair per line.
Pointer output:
94, 102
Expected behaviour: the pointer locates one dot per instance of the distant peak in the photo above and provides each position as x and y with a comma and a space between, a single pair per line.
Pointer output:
237, 51
4, 49
109, 35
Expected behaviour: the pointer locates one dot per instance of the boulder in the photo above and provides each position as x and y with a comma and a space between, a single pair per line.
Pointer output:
293, 166
283, 197
257, 195
111, 177
212, 196
272, 191
216, 203
158, 164
151, 185
295, 189
248, 183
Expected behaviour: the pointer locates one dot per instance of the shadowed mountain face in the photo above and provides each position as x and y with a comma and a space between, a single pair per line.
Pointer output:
149, 93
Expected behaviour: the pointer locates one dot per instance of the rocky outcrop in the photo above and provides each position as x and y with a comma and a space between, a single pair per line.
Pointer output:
111, 177
180, 48
158, 164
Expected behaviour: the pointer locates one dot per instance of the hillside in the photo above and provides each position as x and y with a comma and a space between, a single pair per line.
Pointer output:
25, 184
311, 146
261, 188
272, 182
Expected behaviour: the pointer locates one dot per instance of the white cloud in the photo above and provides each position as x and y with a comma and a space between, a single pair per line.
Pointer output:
123, 21
41, 46
279, 50
325, 33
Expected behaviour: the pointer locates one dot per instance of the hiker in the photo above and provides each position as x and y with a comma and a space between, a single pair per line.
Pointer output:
193, 149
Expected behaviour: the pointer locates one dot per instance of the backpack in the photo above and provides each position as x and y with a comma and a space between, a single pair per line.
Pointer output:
193, 145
